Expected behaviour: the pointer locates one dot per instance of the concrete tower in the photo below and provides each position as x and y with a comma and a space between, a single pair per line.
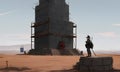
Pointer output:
52, 25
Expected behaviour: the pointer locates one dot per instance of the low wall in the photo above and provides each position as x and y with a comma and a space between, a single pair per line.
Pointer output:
94, 64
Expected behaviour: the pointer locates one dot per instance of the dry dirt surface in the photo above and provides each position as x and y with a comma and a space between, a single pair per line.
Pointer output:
29, 63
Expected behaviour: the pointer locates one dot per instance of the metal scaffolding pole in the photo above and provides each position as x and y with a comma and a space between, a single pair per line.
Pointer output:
75, 34
31, 36
76, 37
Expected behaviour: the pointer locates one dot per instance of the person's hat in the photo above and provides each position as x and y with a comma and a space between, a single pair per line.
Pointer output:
88, 36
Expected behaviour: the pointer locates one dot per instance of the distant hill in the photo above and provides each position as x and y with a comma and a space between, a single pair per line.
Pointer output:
108, 52
14, 49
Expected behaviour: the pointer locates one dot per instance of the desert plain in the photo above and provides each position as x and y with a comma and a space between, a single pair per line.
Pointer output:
31, 63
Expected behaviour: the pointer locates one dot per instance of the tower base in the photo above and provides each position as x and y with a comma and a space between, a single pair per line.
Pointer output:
54, 51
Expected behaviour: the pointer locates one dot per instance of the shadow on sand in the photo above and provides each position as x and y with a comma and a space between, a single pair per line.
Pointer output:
72, 70
14, 69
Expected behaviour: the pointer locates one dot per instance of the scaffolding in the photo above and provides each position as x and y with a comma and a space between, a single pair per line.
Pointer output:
37, 35
75, 34
32, 34
46, 33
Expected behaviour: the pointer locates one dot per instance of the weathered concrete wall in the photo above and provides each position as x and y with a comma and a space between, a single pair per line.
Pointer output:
95, 64
57, 11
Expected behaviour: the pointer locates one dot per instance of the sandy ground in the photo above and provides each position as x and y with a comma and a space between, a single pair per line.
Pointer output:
27, 63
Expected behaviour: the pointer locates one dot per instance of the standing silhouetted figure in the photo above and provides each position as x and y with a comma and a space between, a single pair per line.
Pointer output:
89, 45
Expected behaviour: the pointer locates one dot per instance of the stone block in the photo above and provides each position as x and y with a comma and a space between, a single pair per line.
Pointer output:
95, 64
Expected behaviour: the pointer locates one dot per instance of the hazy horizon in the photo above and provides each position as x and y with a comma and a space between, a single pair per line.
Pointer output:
15, 49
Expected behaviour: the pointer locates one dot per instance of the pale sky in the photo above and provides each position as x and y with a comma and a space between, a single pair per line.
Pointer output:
98, 18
